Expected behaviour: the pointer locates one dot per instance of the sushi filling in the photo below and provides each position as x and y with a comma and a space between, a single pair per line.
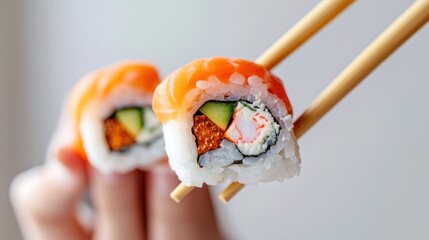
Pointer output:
227, 132
131, 126
117, 136
252, 129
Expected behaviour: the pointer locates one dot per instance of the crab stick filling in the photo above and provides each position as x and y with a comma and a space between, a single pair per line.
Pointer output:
131, 126
242, 128
252, 129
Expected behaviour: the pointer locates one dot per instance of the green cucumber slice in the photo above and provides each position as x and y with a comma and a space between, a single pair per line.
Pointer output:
131, 119
218, 112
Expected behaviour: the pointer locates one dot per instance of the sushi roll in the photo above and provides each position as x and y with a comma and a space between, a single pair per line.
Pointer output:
109, 119
227, 119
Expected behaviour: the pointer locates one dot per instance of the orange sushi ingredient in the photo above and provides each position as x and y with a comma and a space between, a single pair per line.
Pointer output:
98, 85
117, 136
209, 135
169, 98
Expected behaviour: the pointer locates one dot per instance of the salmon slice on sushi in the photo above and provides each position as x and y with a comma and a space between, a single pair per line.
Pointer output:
110, 120
227, 119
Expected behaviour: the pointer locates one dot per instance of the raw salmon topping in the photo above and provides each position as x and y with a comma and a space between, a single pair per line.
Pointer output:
117, 136
170, 96
208, 134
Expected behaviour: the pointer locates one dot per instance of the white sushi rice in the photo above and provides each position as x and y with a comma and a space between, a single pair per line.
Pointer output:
281, 161
94, 137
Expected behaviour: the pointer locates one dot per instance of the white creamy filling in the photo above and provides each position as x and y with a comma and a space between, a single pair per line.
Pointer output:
253, 128
151, 130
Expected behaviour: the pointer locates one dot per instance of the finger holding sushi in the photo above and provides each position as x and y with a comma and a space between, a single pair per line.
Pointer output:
118, 205
193, 219
133, 205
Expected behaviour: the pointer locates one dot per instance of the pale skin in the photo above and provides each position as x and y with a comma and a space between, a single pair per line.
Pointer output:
134, 205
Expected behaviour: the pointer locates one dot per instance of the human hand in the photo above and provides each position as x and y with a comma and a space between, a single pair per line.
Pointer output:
135, 205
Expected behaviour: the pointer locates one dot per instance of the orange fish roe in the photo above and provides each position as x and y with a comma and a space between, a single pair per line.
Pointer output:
208, 134
117, 137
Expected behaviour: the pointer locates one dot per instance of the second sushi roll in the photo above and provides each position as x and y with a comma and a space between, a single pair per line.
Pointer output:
109, 118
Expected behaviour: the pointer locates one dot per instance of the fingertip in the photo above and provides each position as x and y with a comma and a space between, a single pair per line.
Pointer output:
45, 207
20, 188
116, 199
195, 213
45, 193
109, 181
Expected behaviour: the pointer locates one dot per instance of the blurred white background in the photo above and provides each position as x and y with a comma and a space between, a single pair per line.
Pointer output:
365, 169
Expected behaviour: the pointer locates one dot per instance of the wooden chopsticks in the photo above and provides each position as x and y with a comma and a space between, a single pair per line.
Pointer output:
310, 24
369, 59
